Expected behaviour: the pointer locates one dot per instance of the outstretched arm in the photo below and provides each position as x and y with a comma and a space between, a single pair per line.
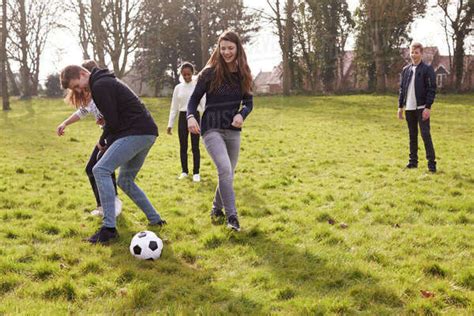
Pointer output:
70, 120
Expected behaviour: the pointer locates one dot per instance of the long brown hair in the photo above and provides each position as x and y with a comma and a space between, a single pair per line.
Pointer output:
77, 99
222, 71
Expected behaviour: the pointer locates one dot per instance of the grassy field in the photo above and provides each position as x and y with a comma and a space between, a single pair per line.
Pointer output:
332, 222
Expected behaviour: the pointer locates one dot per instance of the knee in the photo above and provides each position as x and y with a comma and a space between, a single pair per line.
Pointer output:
225, 173
98, 170
124, 182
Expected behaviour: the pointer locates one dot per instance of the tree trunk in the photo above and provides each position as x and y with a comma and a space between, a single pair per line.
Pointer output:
204, 32
3, 59
458, 63
98, 31
379, 59
24, 70
83, 37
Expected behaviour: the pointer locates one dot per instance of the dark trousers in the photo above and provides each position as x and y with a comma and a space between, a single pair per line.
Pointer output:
183, 145
414, 118
95, 157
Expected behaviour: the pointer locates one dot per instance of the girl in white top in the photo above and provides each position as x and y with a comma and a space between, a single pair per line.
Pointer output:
79, 100
179, 104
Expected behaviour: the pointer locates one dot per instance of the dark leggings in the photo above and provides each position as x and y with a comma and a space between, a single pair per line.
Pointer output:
95, 157
183, 145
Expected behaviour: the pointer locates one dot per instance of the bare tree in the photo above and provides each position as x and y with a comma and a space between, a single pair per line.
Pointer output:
462, 24
30, 23
3, 58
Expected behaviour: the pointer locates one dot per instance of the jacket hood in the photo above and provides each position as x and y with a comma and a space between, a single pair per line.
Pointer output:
97, 74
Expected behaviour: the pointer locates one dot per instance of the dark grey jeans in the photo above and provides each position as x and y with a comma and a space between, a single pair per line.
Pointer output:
223, 145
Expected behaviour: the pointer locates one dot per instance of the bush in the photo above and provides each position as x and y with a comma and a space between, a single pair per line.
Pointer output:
53, 86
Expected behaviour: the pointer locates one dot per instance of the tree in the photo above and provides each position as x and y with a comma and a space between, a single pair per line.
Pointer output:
383, 28
3, 58
30, 23
461, 23
165, 43
285, 31
53, 86
332, 22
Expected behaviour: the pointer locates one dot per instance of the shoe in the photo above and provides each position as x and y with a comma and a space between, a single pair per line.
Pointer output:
118, 206
182, 176
160, 223
99, 211
196, 177
432, 167
412, 165
217, 213
103, 235
233, 223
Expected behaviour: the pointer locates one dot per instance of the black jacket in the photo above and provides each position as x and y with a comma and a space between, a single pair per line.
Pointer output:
123, 112
425, 85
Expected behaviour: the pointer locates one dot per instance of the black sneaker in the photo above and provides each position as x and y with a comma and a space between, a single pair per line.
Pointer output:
412, 165
432, 168
233, 223
160, 223
217, 216
103, 235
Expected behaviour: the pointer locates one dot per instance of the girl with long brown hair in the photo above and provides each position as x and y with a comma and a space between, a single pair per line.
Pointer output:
227, 82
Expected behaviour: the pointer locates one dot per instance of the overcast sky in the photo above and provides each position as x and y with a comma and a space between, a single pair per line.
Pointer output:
263, 52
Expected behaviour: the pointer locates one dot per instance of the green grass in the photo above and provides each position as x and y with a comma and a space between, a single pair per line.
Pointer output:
305, 162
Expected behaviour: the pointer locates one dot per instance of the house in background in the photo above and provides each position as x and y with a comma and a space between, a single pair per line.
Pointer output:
353, 79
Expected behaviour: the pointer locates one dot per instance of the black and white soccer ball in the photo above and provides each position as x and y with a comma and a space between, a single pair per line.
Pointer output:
146, 245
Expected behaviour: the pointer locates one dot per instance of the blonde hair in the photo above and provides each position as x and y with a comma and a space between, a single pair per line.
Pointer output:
417, 45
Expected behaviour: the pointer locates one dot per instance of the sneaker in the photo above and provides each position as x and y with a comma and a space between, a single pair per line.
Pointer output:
217, 213
103, 235
99, 211
412, 165
432, 167
183, 176
160, 223
118, 206
233, 223
196, 177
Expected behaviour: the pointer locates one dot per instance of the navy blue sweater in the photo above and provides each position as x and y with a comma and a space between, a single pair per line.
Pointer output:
123, 112
425, 85
222, 104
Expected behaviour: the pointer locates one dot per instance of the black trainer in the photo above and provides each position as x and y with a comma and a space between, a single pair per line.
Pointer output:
103, 235
233, 223
412, 165
432, 167
217, 216
160, 223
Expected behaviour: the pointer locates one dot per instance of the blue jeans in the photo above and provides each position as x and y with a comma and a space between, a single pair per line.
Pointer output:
129, 154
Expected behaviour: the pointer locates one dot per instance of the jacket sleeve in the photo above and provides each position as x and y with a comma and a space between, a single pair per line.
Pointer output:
106, 101
401, 93
174, 107
247, 105
198, 93
430, 86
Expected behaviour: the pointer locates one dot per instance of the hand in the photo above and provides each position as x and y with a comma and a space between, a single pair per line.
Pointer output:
60, 129
400, 113
100, 121
238, 121
102, 149
193, 126
426, 114
168, 131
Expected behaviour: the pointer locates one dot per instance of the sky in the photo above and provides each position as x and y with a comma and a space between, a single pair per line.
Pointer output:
263, 52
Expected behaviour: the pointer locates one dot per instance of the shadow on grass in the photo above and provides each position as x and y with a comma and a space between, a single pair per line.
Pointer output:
170, 284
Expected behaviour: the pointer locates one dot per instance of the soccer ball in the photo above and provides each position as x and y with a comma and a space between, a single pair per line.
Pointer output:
146, 245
